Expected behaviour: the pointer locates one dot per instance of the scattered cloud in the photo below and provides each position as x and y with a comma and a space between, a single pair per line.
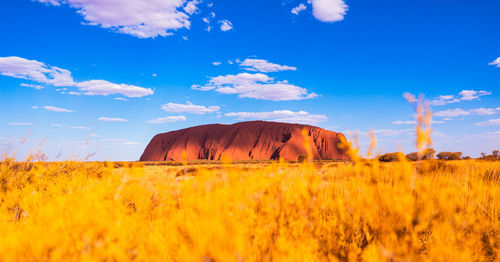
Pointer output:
264, 66
132, 143
20, 124
329, 10
39, 72
296, 10
120, 99
75, 93
393, 132
495, 63
189, 108
142, 19
464, 95
216, 63
34, 107
56, 125
281, 116
32, 86
167, 119
191, 7
225, 25
461, 112
57, 109
257, 86
19, 67
79, 127
104, 88
154, 75
111, 119
413, 122
491, 122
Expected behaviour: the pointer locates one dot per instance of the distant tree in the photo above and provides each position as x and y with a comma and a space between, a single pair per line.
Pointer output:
495, 155
449, 155
412, 156
301, 159
428, 154
466, 158
391, 157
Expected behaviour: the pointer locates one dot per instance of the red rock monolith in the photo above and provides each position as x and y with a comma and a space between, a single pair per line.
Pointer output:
257, 140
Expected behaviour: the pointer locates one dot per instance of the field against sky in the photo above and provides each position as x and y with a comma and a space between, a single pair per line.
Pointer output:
115, 74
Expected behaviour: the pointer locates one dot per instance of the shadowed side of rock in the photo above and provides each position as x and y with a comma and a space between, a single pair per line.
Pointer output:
257, 140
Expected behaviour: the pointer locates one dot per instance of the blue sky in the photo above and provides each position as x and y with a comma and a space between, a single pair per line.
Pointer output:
115, 73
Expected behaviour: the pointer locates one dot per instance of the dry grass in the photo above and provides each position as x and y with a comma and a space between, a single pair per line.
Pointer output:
253, 212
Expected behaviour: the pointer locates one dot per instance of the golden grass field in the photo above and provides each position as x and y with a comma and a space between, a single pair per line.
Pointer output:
432, 210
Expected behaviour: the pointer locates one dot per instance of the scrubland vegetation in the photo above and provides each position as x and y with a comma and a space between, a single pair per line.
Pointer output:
312, 211
443, 211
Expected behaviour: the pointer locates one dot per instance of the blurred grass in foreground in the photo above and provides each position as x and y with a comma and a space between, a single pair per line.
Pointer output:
253, 212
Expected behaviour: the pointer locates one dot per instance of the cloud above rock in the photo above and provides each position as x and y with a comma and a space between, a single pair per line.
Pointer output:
41, 73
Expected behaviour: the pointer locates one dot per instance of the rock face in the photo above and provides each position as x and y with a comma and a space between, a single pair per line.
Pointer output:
257, 140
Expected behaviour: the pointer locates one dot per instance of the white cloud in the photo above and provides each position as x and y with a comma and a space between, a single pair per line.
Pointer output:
281, 116
132, 143
461, 112
39, 72
464, 95
20, 124
34, 107
142, 19
56, 125
19, 67
111, 119
495, 63
74, 93
79, 127
413, 122
472, 94
296, 10
120, 99
167, 119
329, 10
32, 86
491, 122
225, 25
191, 7
393, 132
103, 87
257, 86
154, 75
216, 63
264, 66
189, 108
57, 109
483, 111
408, 122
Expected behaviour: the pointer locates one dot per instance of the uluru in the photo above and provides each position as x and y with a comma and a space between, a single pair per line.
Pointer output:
253, 140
